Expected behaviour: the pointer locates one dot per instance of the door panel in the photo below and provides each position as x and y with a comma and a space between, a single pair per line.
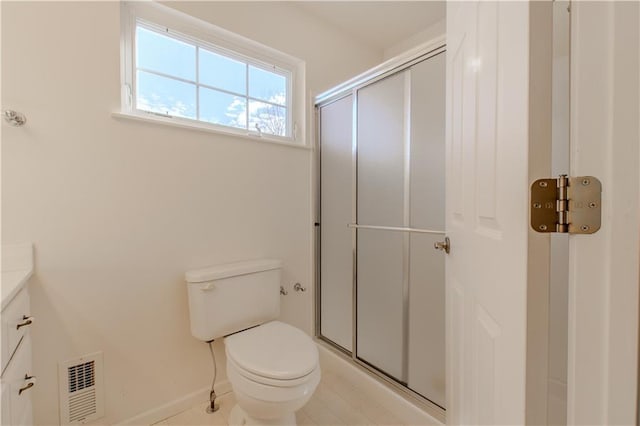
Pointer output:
427, 148
381, 197
459, 44
455, 345
603, 267
381, 153
381, 338
460, 93
426, 357
488, 163
487, 80
336, 271
487, 333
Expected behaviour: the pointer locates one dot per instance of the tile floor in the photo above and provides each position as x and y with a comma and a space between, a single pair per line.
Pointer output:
335, 402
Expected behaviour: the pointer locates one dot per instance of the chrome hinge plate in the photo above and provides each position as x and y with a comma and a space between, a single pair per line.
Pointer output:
566, 205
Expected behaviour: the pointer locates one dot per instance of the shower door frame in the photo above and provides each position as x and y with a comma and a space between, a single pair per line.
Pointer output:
350, 88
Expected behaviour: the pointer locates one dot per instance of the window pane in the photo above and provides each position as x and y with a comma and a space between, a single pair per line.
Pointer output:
165, 95
267, 86
222, 108
268, 118
164, 54
224, 73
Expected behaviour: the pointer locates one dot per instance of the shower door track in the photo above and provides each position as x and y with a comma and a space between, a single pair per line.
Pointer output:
351, 87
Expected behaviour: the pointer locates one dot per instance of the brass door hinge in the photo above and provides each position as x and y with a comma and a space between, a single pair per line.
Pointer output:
566, 205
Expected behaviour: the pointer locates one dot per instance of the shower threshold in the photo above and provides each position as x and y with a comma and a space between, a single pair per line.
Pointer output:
424, 404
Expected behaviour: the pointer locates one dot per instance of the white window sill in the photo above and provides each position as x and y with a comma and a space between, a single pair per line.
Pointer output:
196, 126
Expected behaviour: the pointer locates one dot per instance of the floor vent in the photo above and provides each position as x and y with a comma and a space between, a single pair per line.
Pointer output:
81, 390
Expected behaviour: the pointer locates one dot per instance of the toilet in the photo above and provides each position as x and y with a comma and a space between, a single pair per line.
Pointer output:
273, 367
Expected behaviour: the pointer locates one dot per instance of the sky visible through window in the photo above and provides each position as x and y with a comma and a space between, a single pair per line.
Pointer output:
230, 92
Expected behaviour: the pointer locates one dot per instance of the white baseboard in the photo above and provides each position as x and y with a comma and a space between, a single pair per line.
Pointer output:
375, 389
176, 406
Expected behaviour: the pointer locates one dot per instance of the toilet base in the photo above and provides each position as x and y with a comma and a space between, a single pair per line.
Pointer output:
239, 417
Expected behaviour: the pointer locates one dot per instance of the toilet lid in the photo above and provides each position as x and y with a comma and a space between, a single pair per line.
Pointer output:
274, 350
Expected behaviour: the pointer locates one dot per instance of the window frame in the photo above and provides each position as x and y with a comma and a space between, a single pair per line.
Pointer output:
204, 35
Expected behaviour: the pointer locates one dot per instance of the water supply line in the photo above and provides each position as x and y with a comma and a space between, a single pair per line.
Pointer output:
213, 406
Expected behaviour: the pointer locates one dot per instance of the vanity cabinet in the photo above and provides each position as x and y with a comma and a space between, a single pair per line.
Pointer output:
17, 379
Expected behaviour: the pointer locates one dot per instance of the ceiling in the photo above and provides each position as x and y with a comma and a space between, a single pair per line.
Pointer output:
380, 24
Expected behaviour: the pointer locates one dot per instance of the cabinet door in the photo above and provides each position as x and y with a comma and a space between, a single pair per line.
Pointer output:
6, 404
16, 405
13, 315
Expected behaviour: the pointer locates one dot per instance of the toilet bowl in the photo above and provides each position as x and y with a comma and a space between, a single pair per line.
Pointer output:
273, 367
273, 370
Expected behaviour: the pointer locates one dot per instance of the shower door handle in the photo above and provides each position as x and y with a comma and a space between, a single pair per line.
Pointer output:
444, 246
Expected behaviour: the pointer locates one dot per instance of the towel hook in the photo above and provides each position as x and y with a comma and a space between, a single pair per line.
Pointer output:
14, 118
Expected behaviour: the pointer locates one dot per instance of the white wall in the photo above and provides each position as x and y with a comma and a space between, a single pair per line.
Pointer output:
331, 56
436, 30
118, 210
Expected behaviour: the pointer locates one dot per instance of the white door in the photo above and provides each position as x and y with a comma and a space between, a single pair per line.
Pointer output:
494, 92
603, 278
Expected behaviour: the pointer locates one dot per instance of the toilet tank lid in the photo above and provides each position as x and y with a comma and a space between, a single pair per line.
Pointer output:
226, 270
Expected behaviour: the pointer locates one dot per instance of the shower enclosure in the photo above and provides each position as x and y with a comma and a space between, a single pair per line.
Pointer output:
380, 283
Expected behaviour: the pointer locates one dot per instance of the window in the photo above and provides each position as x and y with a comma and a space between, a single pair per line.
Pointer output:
180, 68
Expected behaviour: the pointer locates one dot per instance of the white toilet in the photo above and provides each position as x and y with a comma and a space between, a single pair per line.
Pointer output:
272, 367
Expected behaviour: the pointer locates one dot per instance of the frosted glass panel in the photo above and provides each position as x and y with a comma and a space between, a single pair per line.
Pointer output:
381, 153
380, 300
336, 271
426, 358
427, 143
381, 198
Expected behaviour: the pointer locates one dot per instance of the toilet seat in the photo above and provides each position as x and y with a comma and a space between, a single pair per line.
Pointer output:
274, 353
261, 380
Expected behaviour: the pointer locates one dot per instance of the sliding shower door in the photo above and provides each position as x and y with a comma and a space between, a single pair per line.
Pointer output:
381, 211
336, 206
381, 199
426, 351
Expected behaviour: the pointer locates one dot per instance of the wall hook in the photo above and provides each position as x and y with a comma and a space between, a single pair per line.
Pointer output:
14, 118
283, 291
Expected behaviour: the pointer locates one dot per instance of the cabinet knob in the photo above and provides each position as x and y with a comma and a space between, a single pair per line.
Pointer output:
26, 320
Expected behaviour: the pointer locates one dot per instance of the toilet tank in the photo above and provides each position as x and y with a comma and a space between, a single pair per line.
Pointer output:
228, 298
